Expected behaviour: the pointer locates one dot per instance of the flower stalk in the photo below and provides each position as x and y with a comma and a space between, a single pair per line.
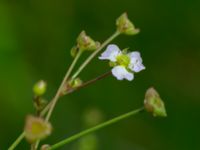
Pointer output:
85, 84
95, 128
45, 110
17, 141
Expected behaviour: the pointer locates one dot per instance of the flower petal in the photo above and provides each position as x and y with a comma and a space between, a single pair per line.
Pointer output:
111, 52
135, 56
138, 67
121, 73
136, 62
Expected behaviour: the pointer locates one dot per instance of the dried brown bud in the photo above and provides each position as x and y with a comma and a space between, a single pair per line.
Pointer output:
36, 128
125, 26
154, 104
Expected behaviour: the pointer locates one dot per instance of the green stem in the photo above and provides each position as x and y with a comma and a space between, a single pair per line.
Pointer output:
85, 84
86, 62
51, 107
95, 128
17, 141
44, 111
55, 99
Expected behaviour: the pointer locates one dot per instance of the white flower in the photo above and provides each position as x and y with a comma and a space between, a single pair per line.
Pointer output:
125, 64
121, 73
136, 62
111, 53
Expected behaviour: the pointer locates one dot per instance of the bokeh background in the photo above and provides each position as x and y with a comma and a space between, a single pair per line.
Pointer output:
35, 41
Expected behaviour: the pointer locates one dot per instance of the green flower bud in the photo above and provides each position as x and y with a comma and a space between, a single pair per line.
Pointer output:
86, 43
154, 104
75, 83
74, 51
70, 85
36, 129
125, 26
39, 88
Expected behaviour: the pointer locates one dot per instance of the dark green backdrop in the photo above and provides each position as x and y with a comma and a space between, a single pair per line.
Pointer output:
35, 39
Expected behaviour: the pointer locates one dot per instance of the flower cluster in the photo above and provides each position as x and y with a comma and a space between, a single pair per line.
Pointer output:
124, 63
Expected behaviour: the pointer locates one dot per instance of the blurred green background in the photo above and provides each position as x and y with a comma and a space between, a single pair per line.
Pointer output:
36, 37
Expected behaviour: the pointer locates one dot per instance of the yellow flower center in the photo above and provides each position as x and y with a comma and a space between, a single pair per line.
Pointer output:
123, 60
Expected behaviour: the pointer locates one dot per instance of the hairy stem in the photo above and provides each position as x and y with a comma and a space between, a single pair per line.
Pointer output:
95, 128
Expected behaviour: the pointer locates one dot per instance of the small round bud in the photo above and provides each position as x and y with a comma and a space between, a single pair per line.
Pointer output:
74, 51
75, 83
125, 26
86, 43
71, 85
39, 88
45, 147
36, 129
154, 104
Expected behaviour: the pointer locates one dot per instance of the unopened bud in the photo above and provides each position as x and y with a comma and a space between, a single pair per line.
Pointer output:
125, 26
75, 83
39, 88
36, 129
154, 104
86, 43
71, 85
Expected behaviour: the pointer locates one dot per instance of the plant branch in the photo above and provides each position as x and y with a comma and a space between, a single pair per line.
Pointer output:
17, 141
55, 99
52, 104
95, 128
85, 84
